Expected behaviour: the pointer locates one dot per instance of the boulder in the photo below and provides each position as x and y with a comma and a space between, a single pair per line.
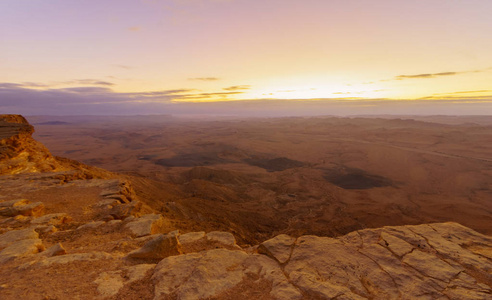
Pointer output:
158, 248
55, 250
13, 236
53, 219
146, 225
191, 237
221, 237
20, 249
26, 209
14, 203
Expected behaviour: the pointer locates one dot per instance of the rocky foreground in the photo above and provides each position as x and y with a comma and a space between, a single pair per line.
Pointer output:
77, 232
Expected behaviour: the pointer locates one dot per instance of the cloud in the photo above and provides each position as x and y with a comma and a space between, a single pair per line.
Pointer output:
18, 98
102, 100
429, 75
205, 78
435, 75
134, 29
90, 82
83, 90
209, 96
237, 87
473, 92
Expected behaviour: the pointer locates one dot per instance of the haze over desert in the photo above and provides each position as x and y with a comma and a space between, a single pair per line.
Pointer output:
325, 176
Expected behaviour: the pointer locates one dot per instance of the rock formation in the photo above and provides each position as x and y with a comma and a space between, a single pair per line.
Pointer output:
72, 231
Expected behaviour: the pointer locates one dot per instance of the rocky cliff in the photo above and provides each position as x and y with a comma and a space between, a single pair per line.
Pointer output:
68, 236
20, 153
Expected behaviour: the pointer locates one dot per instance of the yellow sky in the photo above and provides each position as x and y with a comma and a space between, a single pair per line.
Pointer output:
215, 50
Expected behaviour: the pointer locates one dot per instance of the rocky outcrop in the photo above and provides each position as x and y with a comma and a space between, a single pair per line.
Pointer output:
19, 152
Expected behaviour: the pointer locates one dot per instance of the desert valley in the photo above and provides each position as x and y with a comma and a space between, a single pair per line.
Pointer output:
261, 177
165, 207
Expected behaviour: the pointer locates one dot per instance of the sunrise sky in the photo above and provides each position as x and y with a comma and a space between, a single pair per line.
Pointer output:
151, 56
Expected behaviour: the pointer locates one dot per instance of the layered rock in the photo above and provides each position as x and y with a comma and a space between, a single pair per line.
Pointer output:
19, 152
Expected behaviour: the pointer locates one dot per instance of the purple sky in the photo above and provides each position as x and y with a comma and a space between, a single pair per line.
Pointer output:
152, 56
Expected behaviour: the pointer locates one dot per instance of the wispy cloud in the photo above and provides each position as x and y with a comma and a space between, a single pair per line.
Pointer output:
205, 78
237, 88
436, 75
102, 100
134, 28
90, 82
473, 92
428, 75
208, 96
477, 94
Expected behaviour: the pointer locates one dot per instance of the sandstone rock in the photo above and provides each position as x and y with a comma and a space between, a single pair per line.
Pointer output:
21, 248
431, 266
109, 283
326, 268
114, 222
13, 236
396, 245
158, 248
108, 203
32, 209
260, 266
91, 225
390, 262
26, 209
138, 272
14, 203
146, 225
210, 273
109, 192
123, 211
146, 238
279, 247
221, 237
200, 241
189, 276
191, 237
118, 197
53, 219
448, 245
55, 250
44, 228
19, 152
68, 258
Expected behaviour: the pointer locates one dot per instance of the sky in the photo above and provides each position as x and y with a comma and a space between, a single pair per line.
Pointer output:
279, 57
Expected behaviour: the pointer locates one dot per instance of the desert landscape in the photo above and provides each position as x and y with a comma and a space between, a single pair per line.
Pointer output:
245, 150
261, 177
289, 208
